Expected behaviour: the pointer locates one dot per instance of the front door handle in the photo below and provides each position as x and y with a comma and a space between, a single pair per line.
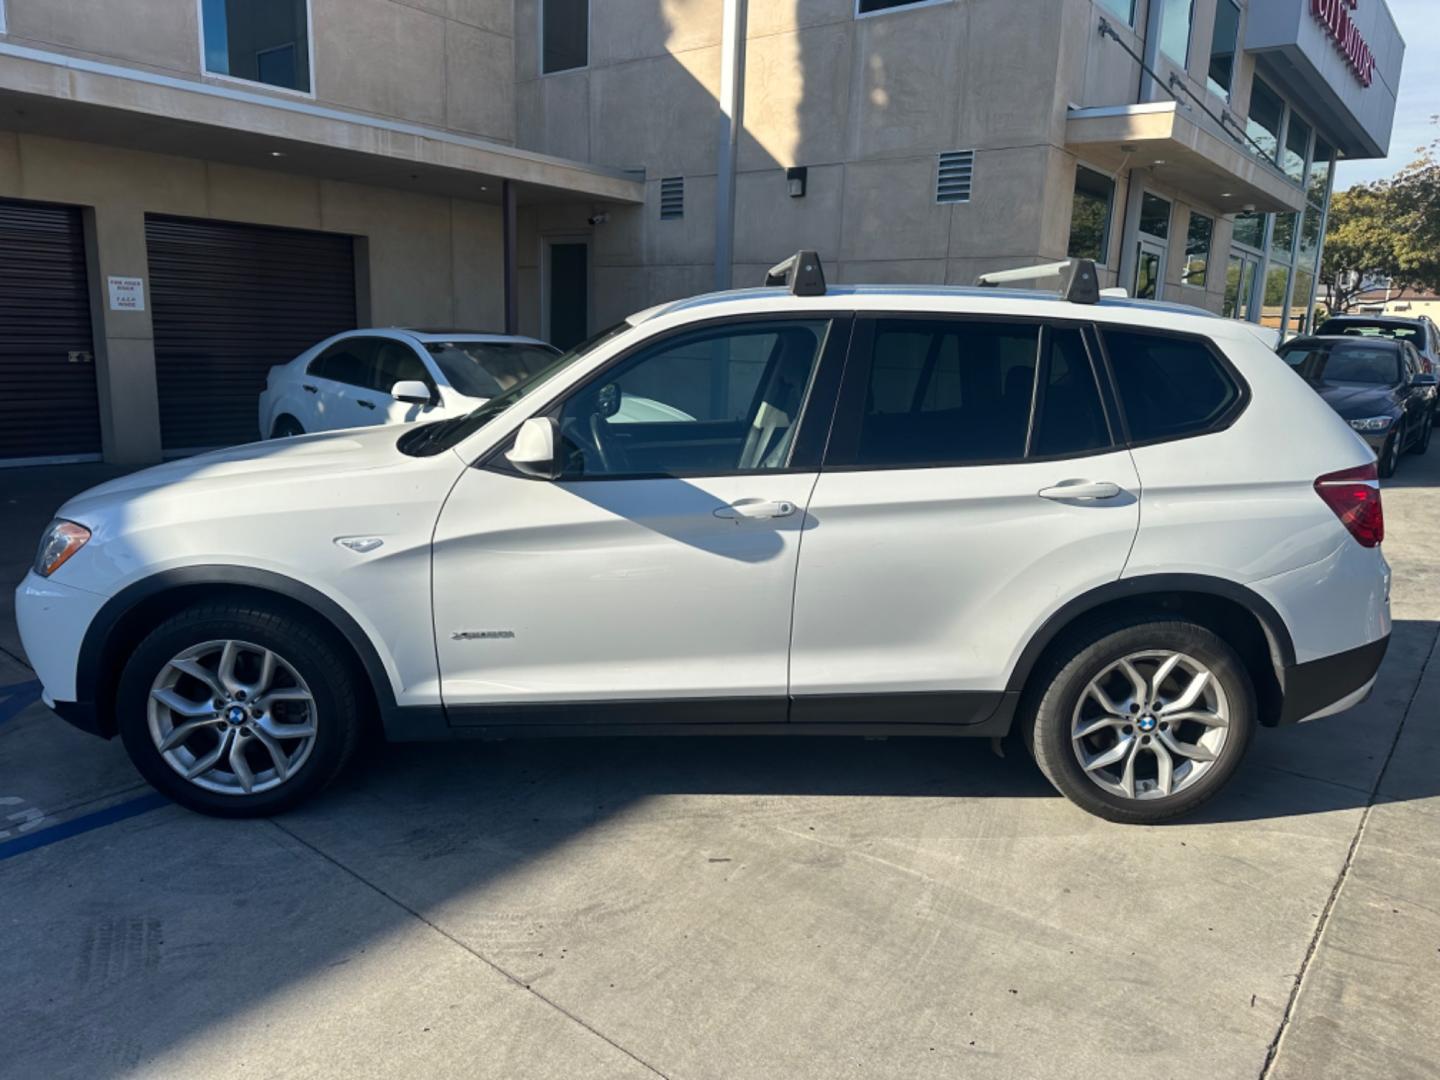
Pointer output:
308, 388
1088, 490
755, 509
364, 404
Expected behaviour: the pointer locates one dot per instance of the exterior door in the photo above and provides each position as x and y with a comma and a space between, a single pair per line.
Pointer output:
1149, 269
972, 486
567, 292
661, 563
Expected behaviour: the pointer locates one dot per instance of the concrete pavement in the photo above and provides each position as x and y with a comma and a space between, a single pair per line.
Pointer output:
735, 907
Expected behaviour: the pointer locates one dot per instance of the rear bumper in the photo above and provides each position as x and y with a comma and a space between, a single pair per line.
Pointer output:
1331, 684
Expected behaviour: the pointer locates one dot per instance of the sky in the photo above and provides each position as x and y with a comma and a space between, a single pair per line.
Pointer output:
1418, 101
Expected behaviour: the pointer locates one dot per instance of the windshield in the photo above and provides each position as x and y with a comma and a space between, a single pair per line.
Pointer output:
485, 369
1377, 328
428, 439
1343, 361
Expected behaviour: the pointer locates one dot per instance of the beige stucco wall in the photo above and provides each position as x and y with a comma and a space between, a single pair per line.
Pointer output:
431, 260
445, 63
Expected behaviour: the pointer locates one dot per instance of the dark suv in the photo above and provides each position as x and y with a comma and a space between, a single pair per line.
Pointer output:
1378, 384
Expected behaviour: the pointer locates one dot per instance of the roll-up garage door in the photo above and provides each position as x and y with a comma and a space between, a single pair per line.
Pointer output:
47, 371
228, 302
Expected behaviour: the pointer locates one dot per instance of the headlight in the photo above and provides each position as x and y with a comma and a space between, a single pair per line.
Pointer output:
63, 539
1372, 423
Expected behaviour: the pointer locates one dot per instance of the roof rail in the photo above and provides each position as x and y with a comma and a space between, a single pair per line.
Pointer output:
1079, 282
801, 272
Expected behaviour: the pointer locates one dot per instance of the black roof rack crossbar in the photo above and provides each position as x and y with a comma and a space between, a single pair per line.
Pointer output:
1079, 282
801, 272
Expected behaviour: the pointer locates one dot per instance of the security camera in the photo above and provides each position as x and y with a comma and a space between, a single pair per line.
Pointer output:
598, 219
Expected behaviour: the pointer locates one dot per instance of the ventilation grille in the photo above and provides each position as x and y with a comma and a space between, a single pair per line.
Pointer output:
672, 198
952, 182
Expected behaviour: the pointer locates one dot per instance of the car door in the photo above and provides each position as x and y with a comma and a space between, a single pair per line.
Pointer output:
660, 565
972, 485
334, 383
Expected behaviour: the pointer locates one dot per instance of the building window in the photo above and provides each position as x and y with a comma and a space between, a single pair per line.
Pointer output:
1277, 286
1221, 78
1250, 230
2, 16
262, 41
870, 7
1267, 111
1197, 250
1175, 29
1297, 148
1319, 181
1282, 237
1124, 8
1155, 216
1090, 215
564, 35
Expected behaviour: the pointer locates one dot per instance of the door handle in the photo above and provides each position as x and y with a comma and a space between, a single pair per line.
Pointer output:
364, 404
755, 510
308, 388
1088, 490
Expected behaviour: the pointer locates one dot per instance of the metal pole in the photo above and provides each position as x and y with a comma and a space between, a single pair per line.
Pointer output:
507, 216
732, 113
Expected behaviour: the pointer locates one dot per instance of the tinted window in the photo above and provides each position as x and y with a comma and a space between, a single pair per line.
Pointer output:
1222, 47
396, 362
1068, 416
263, 41
564, 34
716, 401
947, 392
1359, 328
1361, 364
347, 361
1169, 387
1090, 215
484, 369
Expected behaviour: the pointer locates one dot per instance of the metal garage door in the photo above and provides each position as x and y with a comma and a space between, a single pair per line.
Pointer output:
228, 301
47, 371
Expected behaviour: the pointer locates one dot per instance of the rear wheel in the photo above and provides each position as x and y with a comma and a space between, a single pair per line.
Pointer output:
1143, 723
285, 427
236, 710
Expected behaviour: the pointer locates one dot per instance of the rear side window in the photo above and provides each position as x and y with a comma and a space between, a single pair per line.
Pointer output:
1069, 418
349, 361
1169, 387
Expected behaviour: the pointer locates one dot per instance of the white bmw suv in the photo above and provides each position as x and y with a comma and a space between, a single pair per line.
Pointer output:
1125, 530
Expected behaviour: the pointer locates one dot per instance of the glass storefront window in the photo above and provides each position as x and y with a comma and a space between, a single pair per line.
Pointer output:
1309, 238
1267, 110
1239, 286
1272, 308
1175, 30
1300, 302
1250, 230
1197, 250
1319, 180
1222, 48
1155, 216
1124, 8
1297, 146
1282, 238
1090, 215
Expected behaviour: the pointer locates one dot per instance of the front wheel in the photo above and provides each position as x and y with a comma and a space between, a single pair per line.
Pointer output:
236, 710
1423, 442
1143, 723
1389, 459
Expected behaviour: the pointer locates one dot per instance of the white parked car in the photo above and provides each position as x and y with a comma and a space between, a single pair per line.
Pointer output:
365, 377
1125, 529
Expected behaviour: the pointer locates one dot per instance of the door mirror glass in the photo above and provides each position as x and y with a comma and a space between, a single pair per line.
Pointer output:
534, 450
411, 391
607, 400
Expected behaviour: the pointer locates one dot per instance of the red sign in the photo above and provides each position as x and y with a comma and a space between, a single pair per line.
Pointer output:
1334, 15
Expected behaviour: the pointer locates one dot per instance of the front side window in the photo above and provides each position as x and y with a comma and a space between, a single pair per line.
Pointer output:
564, 35
1221, 76
1169, 387
1267, 110
1090, 215
1197, 249
483, 369
719, 400
263, 41
1175, 29
396, 362
351, 361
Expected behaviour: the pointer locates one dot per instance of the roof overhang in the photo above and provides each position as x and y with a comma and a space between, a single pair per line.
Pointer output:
72, 97
1206, 167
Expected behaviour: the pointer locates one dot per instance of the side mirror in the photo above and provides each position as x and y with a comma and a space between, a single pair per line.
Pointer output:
412, 392
534, 450
1425, 378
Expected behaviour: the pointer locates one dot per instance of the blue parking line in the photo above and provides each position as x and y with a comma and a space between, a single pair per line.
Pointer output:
17, 697
83, 824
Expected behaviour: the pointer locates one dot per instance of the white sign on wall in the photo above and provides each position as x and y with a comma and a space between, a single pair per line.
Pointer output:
127, 294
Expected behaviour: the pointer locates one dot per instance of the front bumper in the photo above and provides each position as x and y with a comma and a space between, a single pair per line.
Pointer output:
53, 618
1331, 684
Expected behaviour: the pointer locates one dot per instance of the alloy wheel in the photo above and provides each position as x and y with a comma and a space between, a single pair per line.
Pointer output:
1150, 724
232, 717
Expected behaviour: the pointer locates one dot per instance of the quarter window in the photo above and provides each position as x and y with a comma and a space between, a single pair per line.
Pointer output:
350, 361
715, 401
263, 41
1090, 215
564, 35
1169, 387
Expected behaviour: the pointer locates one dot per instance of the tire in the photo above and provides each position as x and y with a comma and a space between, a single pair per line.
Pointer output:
312, 684
1423, 442
1389, 457
1062, 705
285, 427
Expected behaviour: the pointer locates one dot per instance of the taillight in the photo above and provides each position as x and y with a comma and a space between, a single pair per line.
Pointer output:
1354, 495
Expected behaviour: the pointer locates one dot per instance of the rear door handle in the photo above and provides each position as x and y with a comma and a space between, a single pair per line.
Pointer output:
1088, 490
308, 388
364, 404
755, 509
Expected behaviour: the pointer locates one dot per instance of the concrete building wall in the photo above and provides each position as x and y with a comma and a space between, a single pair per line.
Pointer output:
428, 260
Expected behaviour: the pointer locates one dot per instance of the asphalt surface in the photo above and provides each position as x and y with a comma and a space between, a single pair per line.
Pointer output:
731, 908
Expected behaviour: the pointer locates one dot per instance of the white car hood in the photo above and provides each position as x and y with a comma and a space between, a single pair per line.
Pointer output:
234, 471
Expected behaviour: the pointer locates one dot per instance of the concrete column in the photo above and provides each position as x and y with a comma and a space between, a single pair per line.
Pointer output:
124, 340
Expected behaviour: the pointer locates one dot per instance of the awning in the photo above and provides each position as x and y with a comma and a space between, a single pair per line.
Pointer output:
1207, 167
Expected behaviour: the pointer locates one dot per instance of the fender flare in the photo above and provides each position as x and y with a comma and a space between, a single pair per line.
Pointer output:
1277, 634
